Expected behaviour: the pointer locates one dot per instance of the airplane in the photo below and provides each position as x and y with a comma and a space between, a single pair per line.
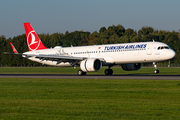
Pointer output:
91, 58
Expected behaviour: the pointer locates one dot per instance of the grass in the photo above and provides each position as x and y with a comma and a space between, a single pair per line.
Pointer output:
71, 70
79, 99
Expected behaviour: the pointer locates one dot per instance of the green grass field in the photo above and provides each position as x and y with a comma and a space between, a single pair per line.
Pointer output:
23, 98
71, 70
85, 99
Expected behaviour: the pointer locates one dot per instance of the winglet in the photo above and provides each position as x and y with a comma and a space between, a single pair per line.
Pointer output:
13, 48
15, 52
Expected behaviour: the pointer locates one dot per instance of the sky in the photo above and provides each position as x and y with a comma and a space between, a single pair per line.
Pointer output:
59, 16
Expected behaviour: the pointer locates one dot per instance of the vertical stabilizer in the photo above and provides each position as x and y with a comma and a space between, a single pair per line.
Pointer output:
33, 41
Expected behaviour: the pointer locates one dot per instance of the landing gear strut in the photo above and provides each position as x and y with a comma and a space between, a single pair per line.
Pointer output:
155, 66
80, 72
108, 71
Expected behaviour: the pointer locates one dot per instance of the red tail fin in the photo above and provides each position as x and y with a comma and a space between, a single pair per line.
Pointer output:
14, 49
33, 41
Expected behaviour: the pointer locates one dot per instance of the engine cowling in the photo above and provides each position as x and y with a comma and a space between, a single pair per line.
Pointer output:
129, 67
90, 65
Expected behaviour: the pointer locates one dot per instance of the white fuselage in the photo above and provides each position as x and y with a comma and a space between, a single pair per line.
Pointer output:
125, 53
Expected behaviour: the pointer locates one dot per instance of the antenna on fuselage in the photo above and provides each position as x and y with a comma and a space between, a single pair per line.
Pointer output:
153, 40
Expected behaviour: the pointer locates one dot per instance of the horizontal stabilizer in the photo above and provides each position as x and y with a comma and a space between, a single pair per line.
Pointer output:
13, 53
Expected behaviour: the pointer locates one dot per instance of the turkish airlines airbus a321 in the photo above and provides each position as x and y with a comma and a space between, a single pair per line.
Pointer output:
91, 58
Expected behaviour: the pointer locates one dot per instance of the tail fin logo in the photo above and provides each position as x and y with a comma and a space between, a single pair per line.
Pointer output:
33, 41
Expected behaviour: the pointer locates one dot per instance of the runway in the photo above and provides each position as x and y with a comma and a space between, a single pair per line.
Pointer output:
94, 76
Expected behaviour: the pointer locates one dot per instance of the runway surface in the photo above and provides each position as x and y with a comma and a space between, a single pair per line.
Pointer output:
94, 76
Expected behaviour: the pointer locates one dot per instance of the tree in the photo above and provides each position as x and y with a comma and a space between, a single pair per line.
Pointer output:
94, 39
114, 39
114, 34
104, 37
102, 30
145, 31
130, 32
124, 39
2, 37
119, 30
179, 34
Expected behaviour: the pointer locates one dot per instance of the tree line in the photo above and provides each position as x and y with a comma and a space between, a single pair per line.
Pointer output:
111, 35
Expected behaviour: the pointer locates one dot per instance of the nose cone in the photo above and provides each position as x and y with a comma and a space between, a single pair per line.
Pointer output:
171, 54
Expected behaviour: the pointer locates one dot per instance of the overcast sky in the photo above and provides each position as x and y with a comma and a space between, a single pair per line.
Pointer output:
52, 16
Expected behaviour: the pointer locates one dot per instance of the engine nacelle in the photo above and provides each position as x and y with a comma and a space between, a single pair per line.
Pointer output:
90, 65
129, 67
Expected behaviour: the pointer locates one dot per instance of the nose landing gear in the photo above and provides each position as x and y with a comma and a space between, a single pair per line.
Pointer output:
155, 66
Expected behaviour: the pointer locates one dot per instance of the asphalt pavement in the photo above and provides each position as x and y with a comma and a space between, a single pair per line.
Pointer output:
95, 76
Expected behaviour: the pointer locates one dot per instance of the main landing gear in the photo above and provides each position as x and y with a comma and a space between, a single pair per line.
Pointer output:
80, 72
155, 66
108, 71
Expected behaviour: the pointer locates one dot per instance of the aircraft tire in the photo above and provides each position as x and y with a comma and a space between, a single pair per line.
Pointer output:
156, 71
108, 72
80, 72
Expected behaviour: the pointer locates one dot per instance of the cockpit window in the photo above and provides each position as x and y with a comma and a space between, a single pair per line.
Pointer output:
162, 47
166, 47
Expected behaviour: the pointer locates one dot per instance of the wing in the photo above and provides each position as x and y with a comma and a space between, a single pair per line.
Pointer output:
58, 58
72, 60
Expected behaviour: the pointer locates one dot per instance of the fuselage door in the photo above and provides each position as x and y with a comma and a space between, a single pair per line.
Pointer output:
149, 49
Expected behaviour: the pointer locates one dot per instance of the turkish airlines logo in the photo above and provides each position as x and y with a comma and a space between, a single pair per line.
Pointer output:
33, 41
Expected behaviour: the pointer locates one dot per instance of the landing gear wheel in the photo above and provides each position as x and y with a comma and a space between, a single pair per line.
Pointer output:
108, 72
80, 72
156, 71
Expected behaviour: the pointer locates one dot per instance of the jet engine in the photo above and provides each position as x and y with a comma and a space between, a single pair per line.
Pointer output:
90, 65
129, 67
